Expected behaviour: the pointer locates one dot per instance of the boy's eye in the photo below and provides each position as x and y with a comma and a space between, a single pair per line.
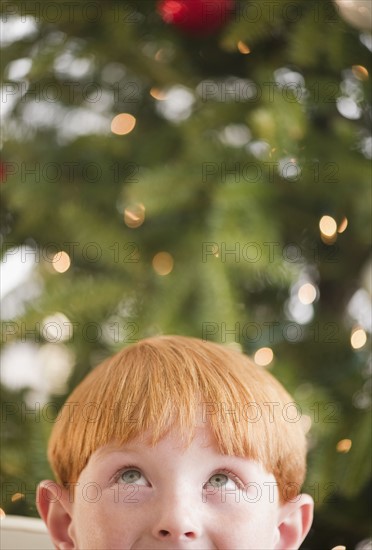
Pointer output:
131, 477
218, 480
228, 480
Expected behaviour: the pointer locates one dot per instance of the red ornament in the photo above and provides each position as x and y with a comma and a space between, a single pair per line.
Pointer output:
196, 16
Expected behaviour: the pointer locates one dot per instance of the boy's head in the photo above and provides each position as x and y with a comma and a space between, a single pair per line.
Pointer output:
177, 443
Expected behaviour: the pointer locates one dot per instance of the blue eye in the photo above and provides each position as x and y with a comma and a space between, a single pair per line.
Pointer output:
130, 476
225, 479
219, 480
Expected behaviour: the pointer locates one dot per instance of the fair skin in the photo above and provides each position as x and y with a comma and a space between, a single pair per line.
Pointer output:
167, 497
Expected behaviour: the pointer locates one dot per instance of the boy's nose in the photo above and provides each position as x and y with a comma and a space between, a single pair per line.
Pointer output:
175, 535
177, 522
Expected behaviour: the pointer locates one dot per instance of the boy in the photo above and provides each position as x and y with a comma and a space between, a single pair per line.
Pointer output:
176, 443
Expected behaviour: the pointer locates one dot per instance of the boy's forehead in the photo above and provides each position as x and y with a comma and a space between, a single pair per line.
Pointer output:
203, 437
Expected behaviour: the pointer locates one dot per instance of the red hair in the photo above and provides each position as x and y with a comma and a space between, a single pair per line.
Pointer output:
160, 383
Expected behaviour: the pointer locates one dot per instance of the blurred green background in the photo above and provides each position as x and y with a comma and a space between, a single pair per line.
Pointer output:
230, 201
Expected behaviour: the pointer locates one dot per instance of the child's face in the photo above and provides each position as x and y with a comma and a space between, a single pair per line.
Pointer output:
166, 497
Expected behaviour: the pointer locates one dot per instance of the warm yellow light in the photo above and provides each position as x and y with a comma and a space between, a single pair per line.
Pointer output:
329, 240
343, 225
328, 226
339, 547
215, 250
17, 496
134, 215
160, 95
61, 262
360, 72
344, 446
162, 263
263, 356
243, 48
2, 513
307, 293
358, 338
123, 124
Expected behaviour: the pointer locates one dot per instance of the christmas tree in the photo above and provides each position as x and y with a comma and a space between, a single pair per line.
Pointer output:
191, 167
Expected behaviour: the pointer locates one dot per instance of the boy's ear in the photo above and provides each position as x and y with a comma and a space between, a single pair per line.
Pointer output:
294, 522
54, 505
